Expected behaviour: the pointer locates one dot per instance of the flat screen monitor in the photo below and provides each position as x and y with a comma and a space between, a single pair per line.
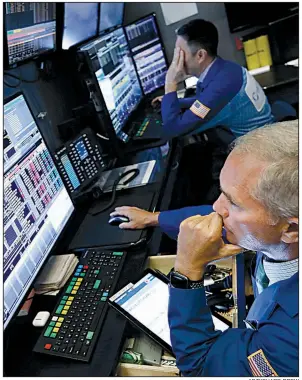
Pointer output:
30, 30
244, 15
148, 53
80, 23
111, 15
115, 72
36, 203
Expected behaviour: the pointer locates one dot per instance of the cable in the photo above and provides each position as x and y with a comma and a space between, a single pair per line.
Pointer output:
20, 77
114, 187
102, 137
12, 76
11, 86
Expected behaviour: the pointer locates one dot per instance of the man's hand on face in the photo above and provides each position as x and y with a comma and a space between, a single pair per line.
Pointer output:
200, 242
138, 218
176, 72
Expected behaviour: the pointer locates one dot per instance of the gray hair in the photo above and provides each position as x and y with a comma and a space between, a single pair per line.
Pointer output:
278, 186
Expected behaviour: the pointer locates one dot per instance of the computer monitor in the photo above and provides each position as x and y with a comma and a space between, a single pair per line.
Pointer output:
284, 39
111, 15
30, 30
148, 53
36, 204
113, 67
80, 23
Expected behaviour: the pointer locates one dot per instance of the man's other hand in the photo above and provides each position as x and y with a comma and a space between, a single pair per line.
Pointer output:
156, 100
200, 242
138, 218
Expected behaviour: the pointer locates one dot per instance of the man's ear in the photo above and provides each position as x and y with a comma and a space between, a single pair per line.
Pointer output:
201, 54
290, 234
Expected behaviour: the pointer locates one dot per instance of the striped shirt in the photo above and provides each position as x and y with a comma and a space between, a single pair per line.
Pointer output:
280, 271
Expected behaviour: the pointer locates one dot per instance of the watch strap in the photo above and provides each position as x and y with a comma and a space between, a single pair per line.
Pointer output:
185, 282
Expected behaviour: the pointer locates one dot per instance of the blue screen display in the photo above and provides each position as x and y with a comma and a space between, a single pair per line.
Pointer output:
111, 14
81, 149
80, 23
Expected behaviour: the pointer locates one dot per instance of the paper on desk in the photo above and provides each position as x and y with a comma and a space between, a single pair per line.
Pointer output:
56, 273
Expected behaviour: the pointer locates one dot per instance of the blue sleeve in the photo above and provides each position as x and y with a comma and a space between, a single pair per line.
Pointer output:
216, 95
202, 351
169, 221
186, 102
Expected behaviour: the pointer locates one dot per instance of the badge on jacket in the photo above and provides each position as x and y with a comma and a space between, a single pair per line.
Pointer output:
260, 366
200, 109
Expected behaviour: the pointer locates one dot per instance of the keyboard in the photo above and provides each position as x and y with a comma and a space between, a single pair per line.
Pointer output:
148, 121
73, 328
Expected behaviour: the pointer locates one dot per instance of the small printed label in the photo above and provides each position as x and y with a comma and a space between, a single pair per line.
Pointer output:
254, 92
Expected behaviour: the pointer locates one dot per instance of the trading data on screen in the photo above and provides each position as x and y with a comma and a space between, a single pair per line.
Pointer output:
148, 53
30, 29
36, 203
116, 76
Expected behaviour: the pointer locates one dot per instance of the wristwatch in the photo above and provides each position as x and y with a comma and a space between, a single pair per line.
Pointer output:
178, 280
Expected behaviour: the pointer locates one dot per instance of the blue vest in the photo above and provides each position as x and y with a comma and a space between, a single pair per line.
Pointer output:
229, 96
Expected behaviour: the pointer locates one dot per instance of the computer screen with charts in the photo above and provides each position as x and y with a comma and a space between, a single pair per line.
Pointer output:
113, 67
80, 23
36, 203
148, 53
30, 29
111, 15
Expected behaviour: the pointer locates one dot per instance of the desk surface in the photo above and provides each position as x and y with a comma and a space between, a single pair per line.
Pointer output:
21, 361
278, 76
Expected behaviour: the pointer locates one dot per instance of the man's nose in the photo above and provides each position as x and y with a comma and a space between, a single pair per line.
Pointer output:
220, 207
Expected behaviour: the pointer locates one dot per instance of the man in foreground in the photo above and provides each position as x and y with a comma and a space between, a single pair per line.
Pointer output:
258, 208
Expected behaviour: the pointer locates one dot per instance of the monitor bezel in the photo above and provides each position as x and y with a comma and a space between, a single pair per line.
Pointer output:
78, 44
33, 58
61, 237
108, 122
153, 14
112, 28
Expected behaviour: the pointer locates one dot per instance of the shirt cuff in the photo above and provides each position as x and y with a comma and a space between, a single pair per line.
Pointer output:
192, 298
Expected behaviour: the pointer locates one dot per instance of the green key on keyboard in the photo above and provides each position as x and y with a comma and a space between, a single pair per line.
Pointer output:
96, 284
59, 309
48, 331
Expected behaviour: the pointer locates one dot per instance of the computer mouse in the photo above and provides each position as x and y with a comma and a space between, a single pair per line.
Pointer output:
118, 219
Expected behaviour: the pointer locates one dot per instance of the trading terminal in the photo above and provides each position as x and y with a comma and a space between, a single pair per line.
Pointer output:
79, 79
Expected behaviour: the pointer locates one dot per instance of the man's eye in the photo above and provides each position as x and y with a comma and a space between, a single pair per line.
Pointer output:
232, 203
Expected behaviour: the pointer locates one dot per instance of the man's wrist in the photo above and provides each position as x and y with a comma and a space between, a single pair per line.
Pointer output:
192, 274
153, 219
170, 87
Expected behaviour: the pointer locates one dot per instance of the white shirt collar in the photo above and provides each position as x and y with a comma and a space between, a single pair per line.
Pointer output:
280, 271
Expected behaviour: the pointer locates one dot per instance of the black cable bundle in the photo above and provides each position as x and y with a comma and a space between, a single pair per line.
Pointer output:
114, 187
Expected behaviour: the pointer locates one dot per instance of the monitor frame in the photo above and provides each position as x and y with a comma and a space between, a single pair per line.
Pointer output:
161, 42
9, 65
107, 122
62, 235
112, 28
61, 30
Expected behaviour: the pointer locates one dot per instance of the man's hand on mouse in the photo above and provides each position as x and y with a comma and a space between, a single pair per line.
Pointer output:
138, 218
200, 242
176, 72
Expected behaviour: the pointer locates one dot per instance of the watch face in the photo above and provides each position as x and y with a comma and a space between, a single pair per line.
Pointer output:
179, 280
